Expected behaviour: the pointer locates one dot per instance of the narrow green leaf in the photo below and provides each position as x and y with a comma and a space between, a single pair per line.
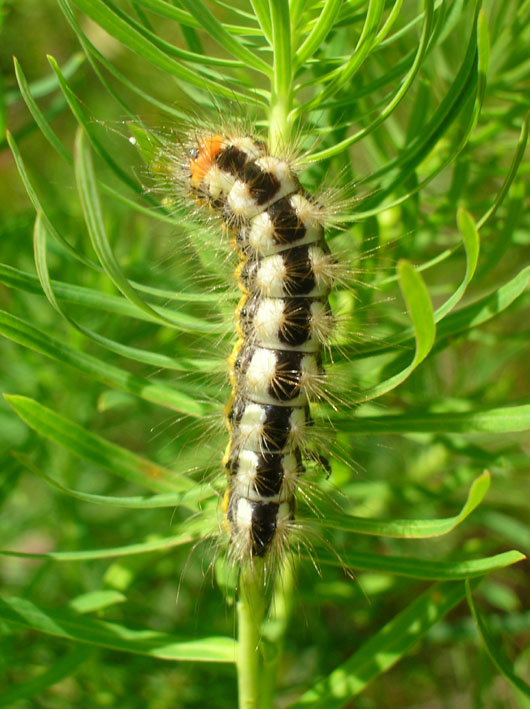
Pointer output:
165, 9
25, 334
152, 212
467, 318
21, 613
48, 84
469, 232
153, 359
343, 74
263, 16
218, 33
37, 204
318, 32
425, 266
494, 649
389, 23
421, 568
93, 55
512, 172
385, 112
120, 461
87, 46
384, 648
467, 102
131, 38
192, 39
507, 419
485, 308
420, 309
189, 498
37, 114
88, 126
412, 528
16, 278
87, 189
446, 113
45, 127
483, 46
91, 298
483, 54
232, 8
173, 51
153, 545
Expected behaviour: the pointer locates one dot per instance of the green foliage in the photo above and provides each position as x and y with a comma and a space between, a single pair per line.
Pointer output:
113, 354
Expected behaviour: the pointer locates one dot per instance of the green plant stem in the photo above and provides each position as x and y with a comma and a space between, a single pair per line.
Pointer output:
250, 611
274, 631
279, 124
282, 77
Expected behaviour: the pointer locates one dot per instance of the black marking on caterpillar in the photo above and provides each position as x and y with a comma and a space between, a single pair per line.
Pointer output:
283, 320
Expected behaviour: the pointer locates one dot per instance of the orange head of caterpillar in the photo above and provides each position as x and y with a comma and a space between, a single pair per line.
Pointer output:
203, 159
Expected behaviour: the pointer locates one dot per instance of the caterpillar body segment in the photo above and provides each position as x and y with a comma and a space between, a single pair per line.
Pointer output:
283, 320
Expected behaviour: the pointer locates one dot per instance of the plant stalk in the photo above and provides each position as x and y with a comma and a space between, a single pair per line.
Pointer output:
274, 630
282, 78
279, 124
251, 607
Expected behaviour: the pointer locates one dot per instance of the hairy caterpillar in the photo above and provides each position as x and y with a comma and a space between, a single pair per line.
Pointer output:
283, 319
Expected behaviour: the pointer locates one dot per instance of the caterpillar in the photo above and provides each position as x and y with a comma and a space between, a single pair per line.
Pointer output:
283, 319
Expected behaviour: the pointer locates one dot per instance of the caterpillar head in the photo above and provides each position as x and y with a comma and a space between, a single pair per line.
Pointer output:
202, 159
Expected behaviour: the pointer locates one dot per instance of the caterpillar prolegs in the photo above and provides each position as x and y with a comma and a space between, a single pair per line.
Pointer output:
283, 319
